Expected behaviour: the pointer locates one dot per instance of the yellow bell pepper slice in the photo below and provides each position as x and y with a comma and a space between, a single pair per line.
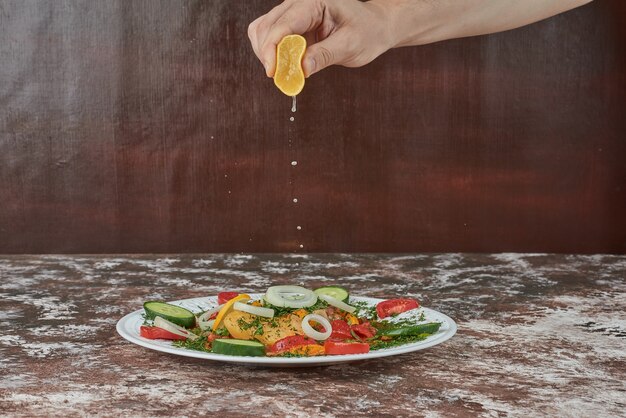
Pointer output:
307, 350
228, 306
301, 313
351, 319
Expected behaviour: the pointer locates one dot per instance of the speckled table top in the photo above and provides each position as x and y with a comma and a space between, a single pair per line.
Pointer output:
539, 335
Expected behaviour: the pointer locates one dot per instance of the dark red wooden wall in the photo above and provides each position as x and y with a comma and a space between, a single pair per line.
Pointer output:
148, 126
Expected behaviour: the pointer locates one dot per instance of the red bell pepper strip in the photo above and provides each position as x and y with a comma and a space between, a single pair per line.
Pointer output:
338, 347
364, 330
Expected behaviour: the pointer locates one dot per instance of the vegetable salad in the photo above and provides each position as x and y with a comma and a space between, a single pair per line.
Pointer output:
289, 321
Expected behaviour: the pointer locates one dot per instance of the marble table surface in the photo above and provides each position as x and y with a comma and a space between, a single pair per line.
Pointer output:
539, 335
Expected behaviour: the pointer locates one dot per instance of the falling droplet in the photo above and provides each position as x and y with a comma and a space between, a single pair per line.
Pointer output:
293, 104
298, 227
292, 118
294, 163
295, 200
301, 246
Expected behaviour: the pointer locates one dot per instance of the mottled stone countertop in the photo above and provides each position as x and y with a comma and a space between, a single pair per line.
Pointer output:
539, 335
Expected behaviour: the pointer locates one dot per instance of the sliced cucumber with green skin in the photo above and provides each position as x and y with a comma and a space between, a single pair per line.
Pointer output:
176, 314
232, 347
429, 328
336, 292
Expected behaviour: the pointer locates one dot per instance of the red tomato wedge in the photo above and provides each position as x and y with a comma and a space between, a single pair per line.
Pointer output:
338, 347
224, 297
288, 343
154, 333
364, 330
395, 306
212, 337
341, 330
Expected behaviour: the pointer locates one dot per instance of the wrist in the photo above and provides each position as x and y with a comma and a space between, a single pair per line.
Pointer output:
411, 22
383, 10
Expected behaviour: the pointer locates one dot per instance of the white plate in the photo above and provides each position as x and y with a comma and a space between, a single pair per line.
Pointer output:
128, 327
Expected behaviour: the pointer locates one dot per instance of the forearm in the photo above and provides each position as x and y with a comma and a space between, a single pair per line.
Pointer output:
418, 22
352, 33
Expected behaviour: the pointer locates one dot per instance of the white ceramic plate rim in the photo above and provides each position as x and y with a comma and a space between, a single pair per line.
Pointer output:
128, 328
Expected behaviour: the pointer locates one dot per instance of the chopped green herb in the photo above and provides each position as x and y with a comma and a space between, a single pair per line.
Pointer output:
280, 311
288, 354
365, 310
320, 304
222, 332
198, 345
379, 344
147, 321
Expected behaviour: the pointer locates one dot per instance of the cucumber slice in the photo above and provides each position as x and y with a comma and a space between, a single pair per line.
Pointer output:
429, 328
232, 347
176, 314
336, 292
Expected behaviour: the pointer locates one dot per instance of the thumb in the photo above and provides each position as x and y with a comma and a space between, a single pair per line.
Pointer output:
330, 51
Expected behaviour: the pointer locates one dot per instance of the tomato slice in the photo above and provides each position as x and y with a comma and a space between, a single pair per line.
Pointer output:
395, 306
224, 297
338, 347
364, 330
154, 333
341, 330
288, 343
212, 337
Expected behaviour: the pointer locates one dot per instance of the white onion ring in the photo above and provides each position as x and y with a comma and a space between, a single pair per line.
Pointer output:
337, 303
173, 328
316, 335
300, 297
254, 310
205, 325
205, 316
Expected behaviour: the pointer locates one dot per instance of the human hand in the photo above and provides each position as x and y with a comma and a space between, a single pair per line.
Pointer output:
353, 33
341, 32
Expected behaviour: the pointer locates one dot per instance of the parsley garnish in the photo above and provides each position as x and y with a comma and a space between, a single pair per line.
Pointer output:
222, 332
378, 344
280, 311
365, 310
199, 344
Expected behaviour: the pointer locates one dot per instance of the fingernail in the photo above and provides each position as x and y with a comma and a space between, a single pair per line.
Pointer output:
267, 67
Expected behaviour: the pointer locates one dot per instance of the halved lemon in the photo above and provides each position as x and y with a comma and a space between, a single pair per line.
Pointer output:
289, 76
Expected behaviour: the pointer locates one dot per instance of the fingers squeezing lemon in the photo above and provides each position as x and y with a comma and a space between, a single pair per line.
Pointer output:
289, 76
